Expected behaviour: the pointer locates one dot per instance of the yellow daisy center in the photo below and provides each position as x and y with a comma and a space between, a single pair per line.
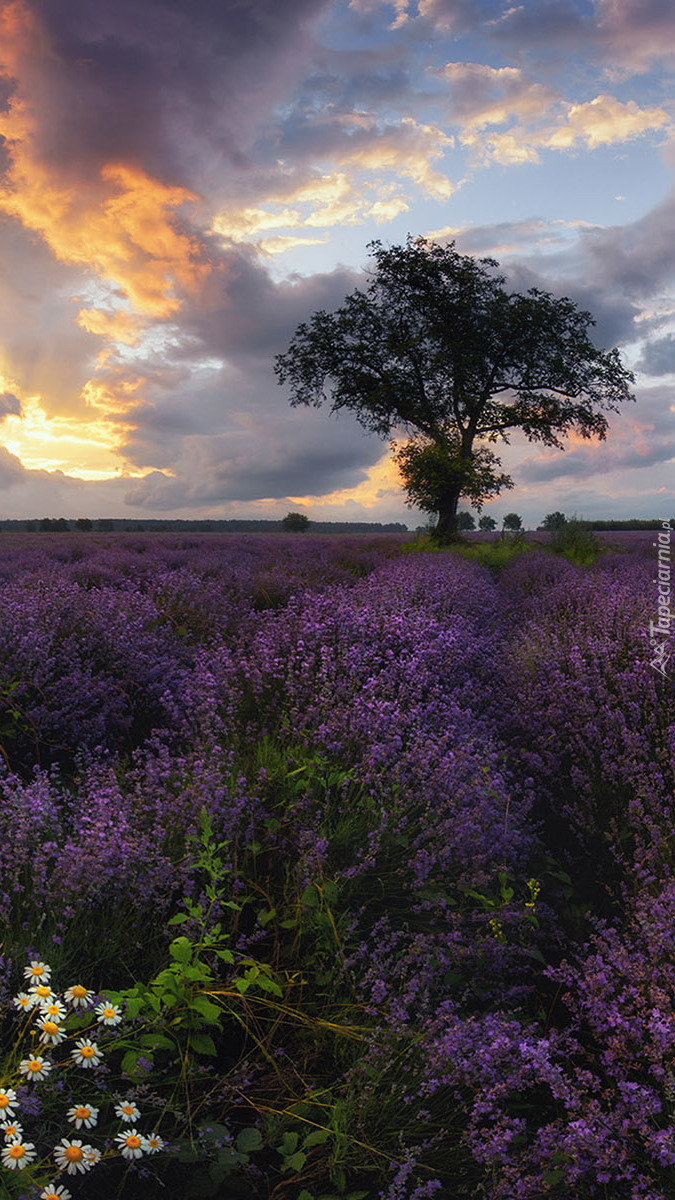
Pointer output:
133, 1142
78, 992
10, 1131
127, 1108
53, 1010
17, 1151
82, 1113
108, 1012
37, 970
4, 1100
73, 1153
52, 1196
43, 990
87, 1051
35, 1065
50, 1027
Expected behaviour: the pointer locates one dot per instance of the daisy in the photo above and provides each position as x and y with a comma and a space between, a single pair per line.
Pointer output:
11, 1130
78, 996
51, 1192
83, 1114
17, 1155
41, 993
37, 972
53, 1008
24, 1002
86, 1053
154, 1143
108, 1014
131, 1144
92, 1156
70, 1156
51, 1032
35, 1068
7, 1101
127, 1111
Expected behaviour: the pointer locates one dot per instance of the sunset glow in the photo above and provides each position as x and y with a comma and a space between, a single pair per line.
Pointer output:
180, 190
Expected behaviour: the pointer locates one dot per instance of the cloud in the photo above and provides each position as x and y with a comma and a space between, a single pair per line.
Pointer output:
481, 95
637, 32
9, 403
603, 121
658, 356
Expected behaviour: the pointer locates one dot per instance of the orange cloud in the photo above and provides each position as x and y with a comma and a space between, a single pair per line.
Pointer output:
382, 479
121, 226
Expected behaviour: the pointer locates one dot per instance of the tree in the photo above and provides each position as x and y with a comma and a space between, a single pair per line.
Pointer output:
465, 520
295, 522
437, 348
554, 520
512, 522
487, 524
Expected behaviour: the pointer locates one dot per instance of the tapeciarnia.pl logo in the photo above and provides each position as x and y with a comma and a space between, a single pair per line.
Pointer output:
659, 632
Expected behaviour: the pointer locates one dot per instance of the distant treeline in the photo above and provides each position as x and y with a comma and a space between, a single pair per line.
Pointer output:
126, 525
632, 524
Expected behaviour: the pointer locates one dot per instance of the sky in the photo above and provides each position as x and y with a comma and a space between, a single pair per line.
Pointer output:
182, 182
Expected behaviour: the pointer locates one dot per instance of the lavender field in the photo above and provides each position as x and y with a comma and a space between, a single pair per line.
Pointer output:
372, 847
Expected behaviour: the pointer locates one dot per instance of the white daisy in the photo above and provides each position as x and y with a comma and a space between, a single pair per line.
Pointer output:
11, 1130
51, 1192
24, 1002
41, 993
83, 1114
92, 1156
35, 1068
131, 1144
127, 1111
78, 996
154, 1143
37, 972
86, 1053
8, 1102
17, 1155
53, 1008
70, 1156
108, 1014
51, 1032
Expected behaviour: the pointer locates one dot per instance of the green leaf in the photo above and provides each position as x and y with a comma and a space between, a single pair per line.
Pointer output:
309, 897
181, 950
249, 1140
331, 892
206, 1009
241, 985
316, 1138
265, 917
155, 1041
296, 1162
289, 1143
179, 919
202, 1043
129, 1064
225, 955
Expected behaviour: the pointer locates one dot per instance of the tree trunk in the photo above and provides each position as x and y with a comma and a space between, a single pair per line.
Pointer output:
445, 529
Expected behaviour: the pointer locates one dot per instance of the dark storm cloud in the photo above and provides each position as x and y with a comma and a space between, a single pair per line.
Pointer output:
658, 357
12, 470
635, 259
9, 404
148, 80
303, 455
595, 461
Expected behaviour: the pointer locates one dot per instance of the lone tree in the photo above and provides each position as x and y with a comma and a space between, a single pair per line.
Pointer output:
512, 522
295, 522
487, 524
435, 347
554, 520
465, 521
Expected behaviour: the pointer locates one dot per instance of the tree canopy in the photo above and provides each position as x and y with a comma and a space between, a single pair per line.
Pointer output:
437, 348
